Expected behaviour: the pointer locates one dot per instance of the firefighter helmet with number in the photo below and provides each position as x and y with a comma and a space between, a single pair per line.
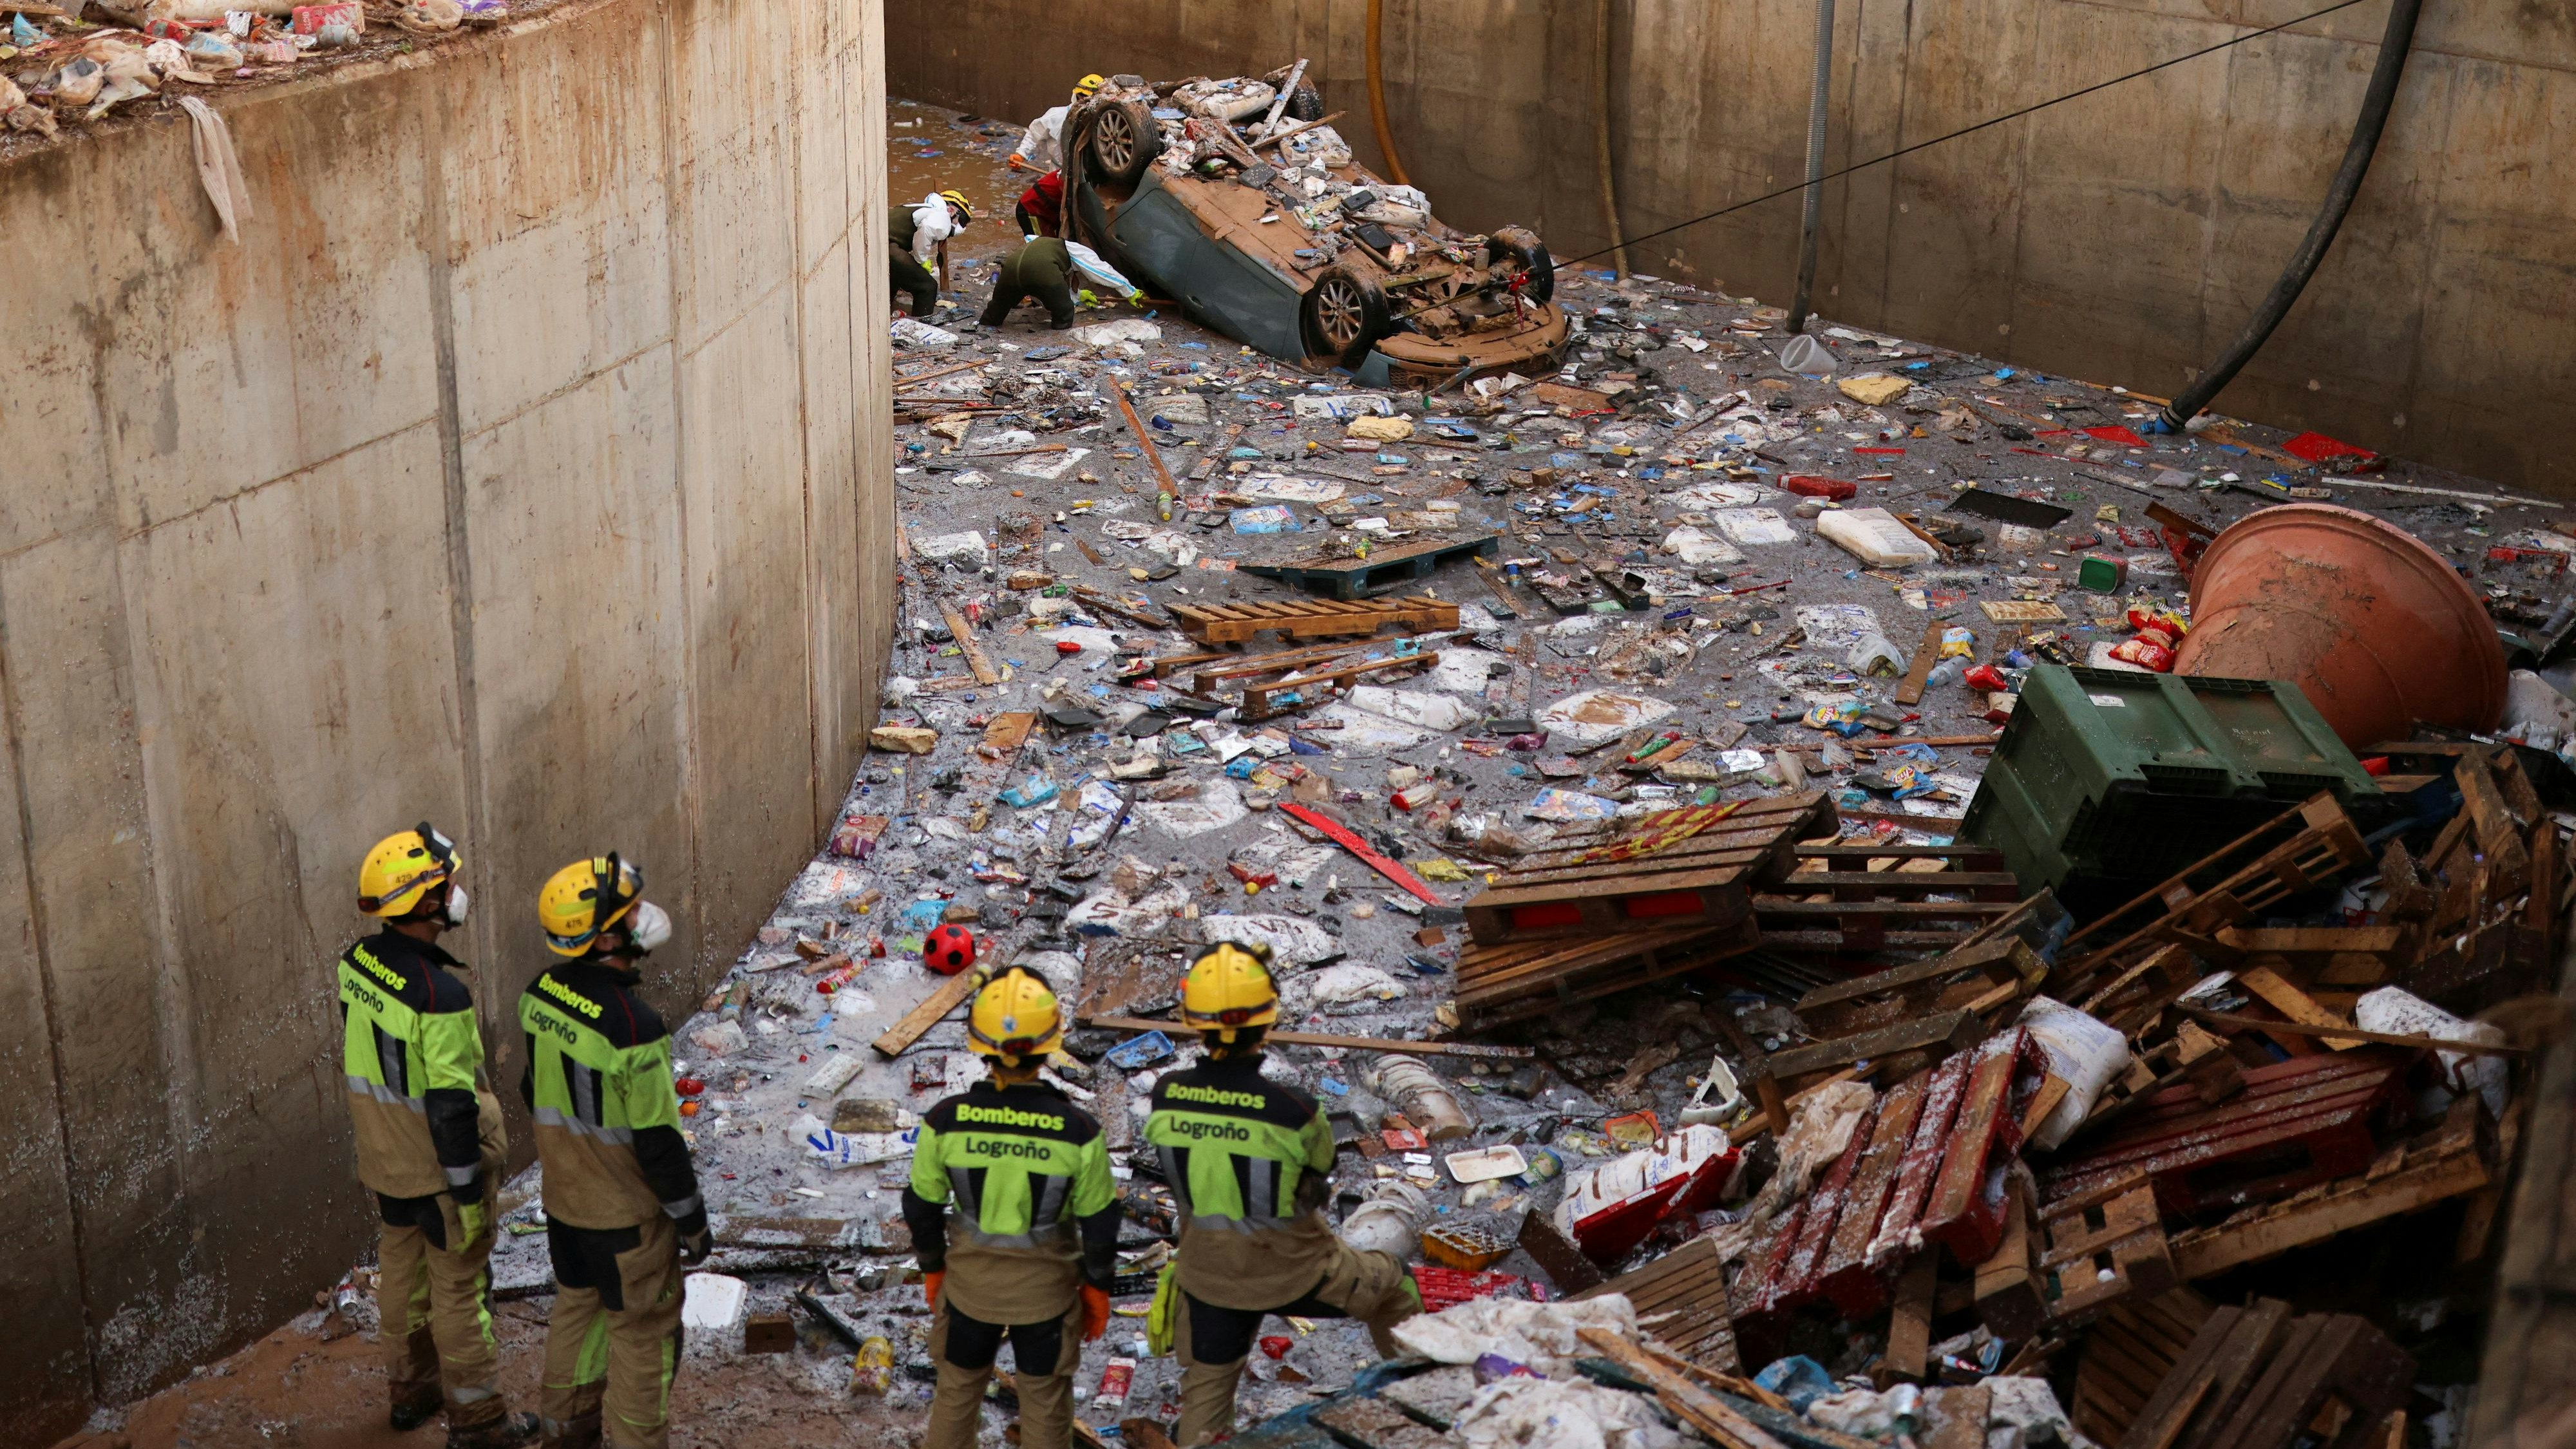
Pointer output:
404, 867
1089, 86
1229, 989
1015, 1019
585, 898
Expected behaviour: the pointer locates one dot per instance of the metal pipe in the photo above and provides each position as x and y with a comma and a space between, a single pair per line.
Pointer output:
2366, 127
1377, 96
1818, 93
1601, 134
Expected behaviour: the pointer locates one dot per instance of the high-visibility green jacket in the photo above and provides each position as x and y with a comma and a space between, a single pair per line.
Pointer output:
1248, 1161
1027, 1174
409, 1053
598, 1080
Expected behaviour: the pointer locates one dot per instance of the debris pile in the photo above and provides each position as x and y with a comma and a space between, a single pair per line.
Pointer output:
1610, 761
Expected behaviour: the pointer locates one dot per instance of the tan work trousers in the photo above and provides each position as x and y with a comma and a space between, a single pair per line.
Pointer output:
434, 1313
1045, 1390
617, 1359
1214, 1342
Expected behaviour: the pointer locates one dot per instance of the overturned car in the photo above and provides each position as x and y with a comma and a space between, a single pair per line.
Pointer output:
1238, 199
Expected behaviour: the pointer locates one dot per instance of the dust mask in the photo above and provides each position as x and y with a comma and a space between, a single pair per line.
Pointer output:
650, 929
454, 911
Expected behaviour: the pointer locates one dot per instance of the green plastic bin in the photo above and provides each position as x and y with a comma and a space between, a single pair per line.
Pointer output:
2129, 776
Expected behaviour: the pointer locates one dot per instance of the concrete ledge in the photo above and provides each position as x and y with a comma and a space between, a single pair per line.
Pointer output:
524, 469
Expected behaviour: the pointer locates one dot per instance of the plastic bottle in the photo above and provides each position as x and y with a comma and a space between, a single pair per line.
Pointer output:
1422, 1097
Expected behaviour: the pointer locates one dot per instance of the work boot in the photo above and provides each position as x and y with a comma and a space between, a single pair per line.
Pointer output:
510, 1431
1061, 324
417, 1409
578, 1432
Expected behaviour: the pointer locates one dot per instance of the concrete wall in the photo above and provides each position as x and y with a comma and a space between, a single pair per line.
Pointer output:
2121, 238
525, 468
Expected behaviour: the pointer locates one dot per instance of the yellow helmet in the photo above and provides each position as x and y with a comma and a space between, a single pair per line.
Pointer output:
957, 199
585, 898
1015, 1019
402, 868
1089, 85
1229, 989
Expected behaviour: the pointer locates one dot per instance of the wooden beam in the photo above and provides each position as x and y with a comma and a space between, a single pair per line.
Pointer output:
1689, 1402
2295, 1004
1327, 1039
985, 673
952, 993
2353, 1035
1953, 1029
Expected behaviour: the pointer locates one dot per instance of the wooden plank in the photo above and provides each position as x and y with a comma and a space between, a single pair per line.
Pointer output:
985, 673
2010, 1299
1950, 1030
950, 994
1909, 1326
1801, 1279
2340, 1031
2293, 1003
1007, 731
1690, 1403
1957, 1214
1846, 1276
1997, 959
1922, 1162
1329, 1039
1926, 654
1145, 440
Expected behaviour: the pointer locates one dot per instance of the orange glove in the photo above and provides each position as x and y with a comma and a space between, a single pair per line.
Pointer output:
1095, 1313
930, 1288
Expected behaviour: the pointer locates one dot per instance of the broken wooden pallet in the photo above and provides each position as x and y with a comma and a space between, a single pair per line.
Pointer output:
1522, 979
2104, 1247
2450, 1161
1312, 618
1319, 683
2301, 849
1602, 882
2130, 1350
1385, 568
2296, 1123
1864, 898
2257, 1378
1683, 1294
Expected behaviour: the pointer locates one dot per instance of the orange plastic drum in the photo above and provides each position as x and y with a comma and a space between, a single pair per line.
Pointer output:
2374, 627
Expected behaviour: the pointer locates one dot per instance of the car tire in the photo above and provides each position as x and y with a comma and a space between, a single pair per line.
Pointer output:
1522, 248
1123, 140
1305, 103
1342, 315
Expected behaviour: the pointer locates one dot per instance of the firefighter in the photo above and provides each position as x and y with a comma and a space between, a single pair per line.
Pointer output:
1035, 1241
430, 1143
1247, 1159
623, 1215
1045, 268
913, 235
1042, 148
1040, 211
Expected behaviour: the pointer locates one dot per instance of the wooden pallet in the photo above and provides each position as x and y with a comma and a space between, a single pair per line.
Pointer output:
2257, 1378
2297, 851
2103, 1248
2450, 1161
1871, 898
1524, 979
1319, 683
1706, 879
2130, 1349
2295, 1124
1384, 568
1683, 1295
1312, 618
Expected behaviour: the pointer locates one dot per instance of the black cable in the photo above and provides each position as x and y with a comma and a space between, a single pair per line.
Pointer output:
2375, 105
1972, 130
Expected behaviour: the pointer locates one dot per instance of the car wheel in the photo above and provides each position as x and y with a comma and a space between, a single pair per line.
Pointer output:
1342, 315
1522, 248
1305, 103
1124, 141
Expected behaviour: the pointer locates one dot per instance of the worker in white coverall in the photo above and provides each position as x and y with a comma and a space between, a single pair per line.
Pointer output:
1042, 145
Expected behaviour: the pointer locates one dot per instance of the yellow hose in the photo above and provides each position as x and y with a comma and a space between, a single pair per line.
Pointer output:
1377, 97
